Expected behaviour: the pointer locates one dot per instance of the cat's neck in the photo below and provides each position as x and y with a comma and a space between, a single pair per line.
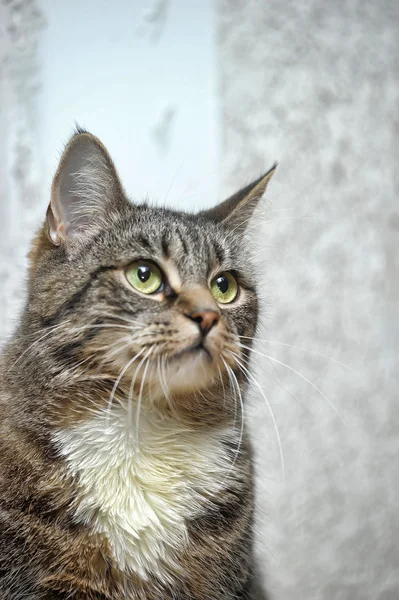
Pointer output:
139, 485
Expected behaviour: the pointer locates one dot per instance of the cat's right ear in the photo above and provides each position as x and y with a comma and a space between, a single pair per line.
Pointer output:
236, 211
85, 189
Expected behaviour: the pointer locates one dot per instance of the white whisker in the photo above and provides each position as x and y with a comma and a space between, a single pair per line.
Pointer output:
52, 329
129, 320
165, 388
299, 348
233, 390
121, 374
241, 435
100, 326
223, 388
249, 375
335, 409
138, 410
131, 390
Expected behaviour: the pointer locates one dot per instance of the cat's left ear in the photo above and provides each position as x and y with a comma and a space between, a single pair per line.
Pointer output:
237, 210
86, 190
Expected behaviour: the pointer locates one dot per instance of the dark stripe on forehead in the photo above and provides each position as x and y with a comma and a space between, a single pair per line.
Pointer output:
143, 241
182, 241
219, 252
165, 246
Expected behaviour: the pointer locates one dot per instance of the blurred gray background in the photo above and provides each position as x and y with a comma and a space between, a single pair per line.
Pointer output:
194, 98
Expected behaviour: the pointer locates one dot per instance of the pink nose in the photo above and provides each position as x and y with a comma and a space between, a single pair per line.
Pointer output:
206, 319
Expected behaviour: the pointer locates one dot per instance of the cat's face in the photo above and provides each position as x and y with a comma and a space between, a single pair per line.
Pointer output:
154, 300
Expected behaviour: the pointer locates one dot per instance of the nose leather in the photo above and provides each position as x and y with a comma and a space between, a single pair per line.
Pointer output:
206, 319
197, 304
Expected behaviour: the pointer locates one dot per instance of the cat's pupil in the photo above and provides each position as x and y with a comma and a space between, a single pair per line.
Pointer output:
222, 284
144, 273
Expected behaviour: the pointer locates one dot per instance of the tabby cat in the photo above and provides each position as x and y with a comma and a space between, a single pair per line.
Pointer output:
125, 468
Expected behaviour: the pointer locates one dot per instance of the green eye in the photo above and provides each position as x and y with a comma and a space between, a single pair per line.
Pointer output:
224, 288
145, 277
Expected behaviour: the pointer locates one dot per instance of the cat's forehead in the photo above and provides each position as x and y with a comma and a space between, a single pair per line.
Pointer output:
193, 244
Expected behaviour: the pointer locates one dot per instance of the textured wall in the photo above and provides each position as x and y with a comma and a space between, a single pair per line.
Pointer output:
20, 24
315, 85
140, 74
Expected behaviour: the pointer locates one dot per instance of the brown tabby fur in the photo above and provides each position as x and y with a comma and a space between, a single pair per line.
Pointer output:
51, 378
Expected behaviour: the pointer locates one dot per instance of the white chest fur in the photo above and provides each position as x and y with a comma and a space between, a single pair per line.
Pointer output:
138, 493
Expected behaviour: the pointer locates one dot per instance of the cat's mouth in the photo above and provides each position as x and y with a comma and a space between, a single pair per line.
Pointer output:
190, 368
198, 347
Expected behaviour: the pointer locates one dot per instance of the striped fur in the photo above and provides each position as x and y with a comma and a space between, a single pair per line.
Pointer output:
125, 471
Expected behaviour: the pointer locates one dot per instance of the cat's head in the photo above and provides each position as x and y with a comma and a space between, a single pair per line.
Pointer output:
151, 299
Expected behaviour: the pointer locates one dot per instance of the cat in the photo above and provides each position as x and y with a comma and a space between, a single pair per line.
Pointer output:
125, 467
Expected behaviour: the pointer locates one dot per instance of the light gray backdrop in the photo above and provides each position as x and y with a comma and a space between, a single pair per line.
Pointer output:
315, 85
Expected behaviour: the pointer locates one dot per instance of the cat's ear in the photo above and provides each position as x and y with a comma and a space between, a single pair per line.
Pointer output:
237, 210
85, 189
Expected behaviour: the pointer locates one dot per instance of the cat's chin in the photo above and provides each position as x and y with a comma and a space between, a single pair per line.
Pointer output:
196, 350
189, 371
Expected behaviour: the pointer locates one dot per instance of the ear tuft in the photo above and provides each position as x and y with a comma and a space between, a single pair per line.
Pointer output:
79, 129
237, 210
85, 187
